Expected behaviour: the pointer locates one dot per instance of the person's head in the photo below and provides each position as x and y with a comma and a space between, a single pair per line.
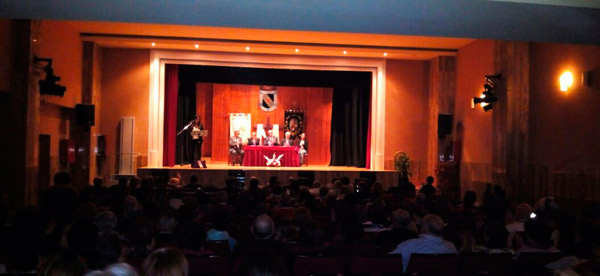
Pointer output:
288, 135
270, 133
401, 219
62, 178
197, 119
120, 269
263, 227
62, 263
105, 221
253, 135
193, 179
522, 212
191, 236
174, 182
98, 182
302, 136
432, 225
469, 199
429, 180
254, 183
165, 262
236, 133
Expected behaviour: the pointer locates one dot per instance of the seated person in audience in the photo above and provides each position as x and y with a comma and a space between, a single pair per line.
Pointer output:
235, 148
263, 231
539, 235
270, 140
220, 219
165, 261
253, 141
516, 226
287, 140
303, 147
400, 229
430, 241
310, 240
494, 239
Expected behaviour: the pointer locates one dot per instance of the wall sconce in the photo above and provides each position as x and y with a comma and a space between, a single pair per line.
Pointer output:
488, 97
566, 81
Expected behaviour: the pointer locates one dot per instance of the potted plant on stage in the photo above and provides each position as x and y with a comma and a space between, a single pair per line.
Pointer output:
403, 167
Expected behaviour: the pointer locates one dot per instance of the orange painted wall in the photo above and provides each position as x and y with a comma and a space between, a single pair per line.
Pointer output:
59, 41
474, 61
564, 127
316, 103
124, 93
406, 111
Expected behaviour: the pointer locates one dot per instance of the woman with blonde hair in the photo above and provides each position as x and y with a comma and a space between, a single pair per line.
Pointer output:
165, 262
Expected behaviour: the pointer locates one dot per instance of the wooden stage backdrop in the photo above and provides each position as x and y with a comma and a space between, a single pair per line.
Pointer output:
214, 102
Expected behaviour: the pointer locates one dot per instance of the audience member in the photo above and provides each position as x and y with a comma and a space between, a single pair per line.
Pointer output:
165, 262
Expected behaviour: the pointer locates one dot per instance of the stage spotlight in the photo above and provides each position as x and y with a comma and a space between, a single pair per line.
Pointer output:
487, 98
49, 85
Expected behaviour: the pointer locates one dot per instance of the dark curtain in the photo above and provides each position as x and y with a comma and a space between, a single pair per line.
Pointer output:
170, 125
349, 126
186, 111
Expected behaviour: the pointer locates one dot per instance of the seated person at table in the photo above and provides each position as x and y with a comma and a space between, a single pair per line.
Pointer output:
253, 141
303, 147
271, 140
287, 141
235, 148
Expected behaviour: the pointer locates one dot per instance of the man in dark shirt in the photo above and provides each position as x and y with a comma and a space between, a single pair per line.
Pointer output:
263, 230
427, 189
399, 232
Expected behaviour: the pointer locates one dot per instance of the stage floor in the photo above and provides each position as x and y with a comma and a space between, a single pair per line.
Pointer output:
216, 174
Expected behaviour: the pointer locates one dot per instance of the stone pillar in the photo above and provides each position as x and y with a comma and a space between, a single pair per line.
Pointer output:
510, 119
442, 86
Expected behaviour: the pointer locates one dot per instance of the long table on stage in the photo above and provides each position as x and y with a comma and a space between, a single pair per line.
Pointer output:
255, 156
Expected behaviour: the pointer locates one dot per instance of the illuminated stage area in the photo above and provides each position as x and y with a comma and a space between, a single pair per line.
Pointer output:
215, 175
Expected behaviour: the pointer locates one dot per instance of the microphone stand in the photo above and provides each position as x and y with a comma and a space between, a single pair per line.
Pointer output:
183, 142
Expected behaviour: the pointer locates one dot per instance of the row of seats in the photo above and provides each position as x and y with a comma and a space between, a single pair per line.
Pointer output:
420, 264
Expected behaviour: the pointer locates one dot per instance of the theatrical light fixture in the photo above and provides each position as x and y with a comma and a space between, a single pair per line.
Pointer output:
566, 81
49, 85
488, 97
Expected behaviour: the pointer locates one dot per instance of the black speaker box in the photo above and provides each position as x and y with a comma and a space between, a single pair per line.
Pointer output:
444, 125
85, 114
101, 145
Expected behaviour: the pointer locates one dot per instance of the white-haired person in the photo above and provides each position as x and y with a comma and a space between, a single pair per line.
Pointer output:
270, 140
236, 148
287, 140
302, 147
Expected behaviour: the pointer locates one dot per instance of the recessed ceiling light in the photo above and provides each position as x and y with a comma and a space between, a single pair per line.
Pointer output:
385, 54
153, 44
297, 50
345, 52
196, 46
247, 48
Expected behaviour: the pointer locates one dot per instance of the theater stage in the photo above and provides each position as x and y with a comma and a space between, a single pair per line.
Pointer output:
216, 174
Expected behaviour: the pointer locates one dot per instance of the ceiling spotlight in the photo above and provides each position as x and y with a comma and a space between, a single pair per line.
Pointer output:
385, 54
196, 46
297, 50
153, 44
488, 97
345, 52
247, 48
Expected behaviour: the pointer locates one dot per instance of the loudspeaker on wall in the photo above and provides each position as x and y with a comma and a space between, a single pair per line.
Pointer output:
85, 114
444, 125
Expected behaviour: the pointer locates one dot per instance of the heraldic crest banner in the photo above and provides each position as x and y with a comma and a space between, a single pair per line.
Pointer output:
267, 98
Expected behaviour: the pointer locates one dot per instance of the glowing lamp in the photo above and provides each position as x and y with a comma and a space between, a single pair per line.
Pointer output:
566, 81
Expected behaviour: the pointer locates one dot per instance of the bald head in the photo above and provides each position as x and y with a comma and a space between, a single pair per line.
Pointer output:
432, 225
263, 227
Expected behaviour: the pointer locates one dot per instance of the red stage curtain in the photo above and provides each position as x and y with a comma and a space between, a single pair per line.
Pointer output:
170, 124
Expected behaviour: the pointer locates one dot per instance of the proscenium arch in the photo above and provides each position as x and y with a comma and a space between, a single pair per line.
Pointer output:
158, 59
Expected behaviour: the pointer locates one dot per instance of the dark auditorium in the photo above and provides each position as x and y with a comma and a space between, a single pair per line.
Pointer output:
299, 138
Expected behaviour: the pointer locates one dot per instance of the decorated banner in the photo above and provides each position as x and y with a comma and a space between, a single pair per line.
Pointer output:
241, 122
294, 122
267, 98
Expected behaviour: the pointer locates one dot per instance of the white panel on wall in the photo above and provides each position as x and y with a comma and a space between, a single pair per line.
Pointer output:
126, 155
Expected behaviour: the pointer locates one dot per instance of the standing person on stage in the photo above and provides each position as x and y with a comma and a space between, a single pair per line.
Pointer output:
303, 147
287, 141
271, 140
235, 148
196, 142
253, 141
